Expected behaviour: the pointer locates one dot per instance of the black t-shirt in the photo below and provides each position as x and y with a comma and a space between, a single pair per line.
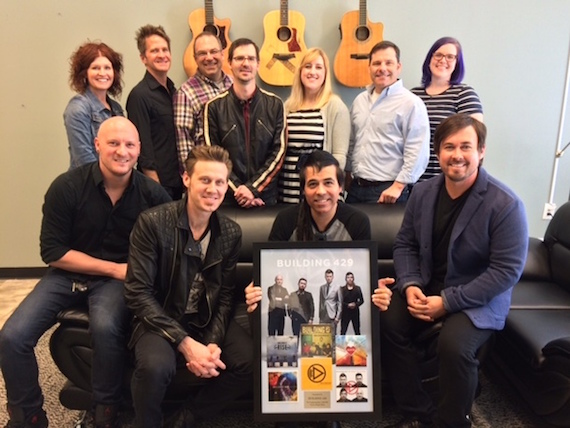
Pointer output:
446, 212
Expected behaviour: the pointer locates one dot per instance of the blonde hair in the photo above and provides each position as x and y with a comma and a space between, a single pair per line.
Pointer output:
297, 97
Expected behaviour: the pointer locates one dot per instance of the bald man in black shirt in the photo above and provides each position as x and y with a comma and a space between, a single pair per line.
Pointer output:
88, 215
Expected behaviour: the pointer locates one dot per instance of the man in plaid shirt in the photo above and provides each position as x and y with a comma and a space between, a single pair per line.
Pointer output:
190, 99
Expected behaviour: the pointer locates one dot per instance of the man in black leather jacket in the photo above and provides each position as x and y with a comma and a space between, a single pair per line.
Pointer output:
180, 286
249, 123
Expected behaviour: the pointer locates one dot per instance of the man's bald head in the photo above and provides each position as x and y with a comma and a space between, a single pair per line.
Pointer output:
118, 146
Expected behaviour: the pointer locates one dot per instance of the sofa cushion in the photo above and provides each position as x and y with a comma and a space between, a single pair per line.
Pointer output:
528, 331
255, 223
559, 264
534, 294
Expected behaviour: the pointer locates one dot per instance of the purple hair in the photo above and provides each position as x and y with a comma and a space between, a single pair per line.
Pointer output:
458, 73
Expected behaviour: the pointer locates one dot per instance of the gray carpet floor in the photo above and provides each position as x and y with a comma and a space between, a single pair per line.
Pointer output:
497, 406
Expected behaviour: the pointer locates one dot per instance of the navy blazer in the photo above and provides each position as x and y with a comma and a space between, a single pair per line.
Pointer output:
487, 249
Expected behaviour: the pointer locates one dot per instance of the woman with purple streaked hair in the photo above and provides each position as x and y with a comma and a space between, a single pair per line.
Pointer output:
443, 92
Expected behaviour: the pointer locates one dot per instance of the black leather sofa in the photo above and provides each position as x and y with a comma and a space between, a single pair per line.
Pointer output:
70, 347
533, 350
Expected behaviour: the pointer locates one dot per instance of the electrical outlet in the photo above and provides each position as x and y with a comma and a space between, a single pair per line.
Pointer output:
549, 210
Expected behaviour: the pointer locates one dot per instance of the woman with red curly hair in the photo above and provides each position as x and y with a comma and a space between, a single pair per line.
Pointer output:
95, 73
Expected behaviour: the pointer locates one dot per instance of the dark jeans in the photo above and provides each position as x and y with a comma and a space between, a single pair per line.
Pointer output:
108, 326
458, 343
276, 322
371, 194
296, 320
156, 364
347, 316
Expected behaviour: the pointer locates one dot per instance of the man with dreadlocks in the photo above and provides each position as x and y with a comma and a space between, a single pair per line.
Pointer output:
320, 217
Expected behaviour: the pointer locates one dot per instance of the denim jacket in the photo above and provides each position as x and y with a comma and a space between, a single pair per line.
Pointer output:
82, 118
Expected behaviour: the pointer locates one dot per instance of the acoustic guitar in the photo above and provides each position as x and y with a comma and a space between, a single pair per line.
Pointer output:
283, 45
358, 36
201, 20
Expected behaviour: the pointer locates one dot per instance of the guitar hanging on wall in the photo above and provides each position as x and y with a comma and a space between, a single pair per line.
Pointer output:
201, 20
358, 36
283, 45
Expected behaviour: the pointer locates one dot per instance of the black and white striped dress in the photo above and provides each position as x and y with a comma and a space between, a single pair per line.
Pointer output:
305, 134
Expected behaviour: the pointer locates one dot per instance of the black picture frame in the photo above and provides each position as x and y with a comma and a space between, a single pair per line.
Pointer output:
296, 378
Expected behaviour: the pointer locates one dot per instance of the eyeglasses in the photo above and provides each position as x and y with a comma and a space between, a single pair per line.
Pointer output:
241, 59
204, 54
448, 57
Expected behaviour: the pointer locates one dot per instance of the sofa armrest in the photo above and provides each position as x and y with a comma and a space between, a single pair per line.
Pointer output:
75, 315
560, 347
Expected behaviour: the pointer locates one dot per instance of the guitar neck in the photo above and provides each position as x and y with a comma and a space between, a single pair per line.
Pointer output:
209, 9
362, 14
284, 13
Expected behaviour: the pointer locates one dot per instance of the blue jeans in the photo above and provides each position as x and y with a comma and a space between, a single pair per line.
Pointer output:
371, 194
108, 326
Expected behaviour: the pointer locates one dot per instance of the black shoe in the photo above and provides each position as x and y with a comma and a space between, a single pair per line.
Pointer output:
106, 416
17, 419
182, 418
332, 424
411, 423
286, 425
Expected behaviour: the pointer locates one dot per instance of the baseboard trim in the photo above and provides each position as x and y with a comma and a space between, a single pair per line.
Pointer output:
24, 272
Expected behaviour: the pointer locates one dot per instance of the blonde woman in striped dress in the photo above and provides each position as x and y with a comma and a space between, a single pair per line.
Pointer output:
317, 119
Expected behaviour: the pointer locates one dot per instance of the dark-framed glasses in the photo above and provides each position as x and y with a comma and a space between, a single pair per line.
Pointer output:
448, 57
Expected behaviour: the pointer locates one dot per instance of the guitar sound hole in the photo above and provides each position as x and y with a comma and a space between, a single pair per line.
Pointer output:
362, 33
284, 34
212, 29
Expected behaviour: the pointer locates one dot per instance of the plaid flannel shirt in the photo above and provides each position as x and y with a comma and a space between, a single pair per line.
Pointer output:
189, 102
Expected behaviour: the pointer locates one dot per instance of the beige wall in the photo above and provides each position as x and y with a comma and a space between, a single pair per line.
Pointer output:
516, 53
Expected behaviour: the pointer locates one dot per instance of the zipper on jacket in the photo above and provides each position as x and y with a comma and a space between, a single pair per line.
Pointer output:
176, 243
228, 133
264, 127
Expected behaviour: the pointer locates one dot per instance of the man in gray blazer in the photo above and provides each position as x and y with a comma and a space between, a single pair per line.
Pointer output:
330, 301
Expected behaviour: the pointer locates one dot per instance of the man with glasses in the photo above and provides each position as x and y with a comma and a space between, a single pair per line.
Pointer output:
249, 123
149, 107
189, 101
389, 143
